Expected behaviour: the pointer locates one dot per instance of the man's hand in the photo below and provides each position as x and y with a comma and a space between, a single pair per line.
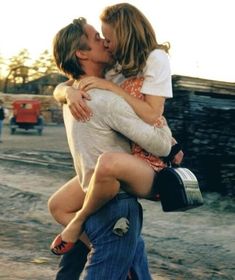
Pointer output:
76, 100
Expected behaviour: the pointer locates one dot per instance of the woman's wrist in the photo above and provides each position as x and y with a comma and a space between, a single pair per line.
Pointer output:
118, 90
68, 91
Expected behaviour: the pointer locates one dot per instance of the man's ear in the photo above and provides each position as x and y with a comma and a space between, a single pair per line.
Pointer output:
81, 54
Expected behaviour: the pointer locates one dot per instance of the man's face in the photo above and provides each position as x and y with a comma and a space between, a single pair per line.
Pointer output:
97, 53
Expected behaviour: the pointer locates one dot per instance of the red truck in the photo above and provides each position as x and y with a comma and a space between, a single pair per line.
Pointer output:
26, 115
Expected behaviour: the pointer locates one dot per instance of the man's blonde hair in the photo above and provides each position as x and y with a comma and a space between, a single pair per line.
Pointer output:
65, 44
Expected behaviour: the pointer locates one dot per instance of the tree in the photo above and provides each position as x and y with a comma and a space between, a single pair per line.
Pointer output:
44, 65
2, 65
18, 69
21, 71
2, 71
22, 58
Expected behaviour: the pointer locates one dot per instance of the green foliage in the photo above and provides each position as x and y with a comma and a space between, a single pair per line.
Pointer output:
44, 65
20, 68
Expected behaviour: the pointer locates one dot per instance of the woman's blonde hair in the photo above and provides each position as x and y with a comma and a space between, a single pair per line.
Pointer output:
135, 37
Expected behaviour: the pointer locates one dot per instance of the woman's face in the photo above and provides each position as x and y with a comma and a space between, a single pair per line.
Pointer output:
110, 38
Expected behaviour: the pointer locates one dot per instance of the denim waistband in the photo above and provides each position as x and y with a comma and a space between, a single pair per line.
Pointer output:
124, 195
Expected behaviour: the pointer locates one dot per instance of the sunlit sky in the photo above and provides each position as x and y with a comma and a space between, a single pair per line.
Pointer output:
201, 32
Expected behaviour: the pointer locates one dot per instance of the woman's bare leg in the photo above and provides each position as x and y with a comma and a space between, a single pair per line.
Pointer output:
65, 202
111, 169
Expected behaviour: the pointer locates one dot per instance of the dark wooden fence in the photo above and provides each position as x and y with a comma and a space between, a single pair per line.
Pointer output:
202, 118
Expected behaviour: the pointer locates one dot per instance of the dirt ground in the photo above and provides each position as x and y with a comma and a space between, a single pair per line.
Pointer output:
197, 244
28, 160
53, 138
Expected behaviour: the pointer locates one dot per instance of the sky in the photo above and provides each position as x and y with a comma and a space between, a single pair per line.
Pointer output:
201, 32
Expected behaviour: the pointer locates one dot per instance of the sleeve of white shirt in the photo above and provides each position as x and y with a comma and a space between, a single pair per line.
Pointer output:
122, 118
157, 75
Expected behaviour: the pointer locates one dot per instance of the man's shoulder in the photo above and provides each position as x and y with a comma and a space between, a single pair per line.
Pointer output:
108, 102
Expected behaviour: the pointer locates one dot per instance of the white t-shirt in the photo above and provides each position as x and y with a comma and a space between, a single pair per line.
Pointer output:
157, 75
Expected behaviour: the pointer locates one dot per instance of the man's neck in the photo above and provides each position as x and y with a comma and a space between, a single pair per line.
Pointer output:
96, 70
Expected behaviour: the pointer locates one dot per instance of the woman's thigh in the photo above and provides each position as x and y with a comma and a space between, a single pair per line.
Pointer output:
69, 198
135, 173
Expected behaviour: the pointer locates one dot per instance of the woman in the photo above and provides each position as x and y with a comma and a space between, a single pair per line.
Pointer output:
131, 40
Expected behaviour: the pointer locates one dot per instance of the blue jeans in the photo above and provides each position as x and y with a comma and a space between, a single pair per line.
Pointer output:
72, 263
112, 256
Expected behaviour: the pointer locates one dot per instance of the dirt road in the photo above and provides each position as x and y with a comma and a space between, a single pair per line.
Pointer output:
53, 138
196, 245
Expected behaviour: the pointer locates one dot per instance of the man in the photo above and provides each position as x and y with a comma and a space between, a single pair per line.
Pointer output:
80, 52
